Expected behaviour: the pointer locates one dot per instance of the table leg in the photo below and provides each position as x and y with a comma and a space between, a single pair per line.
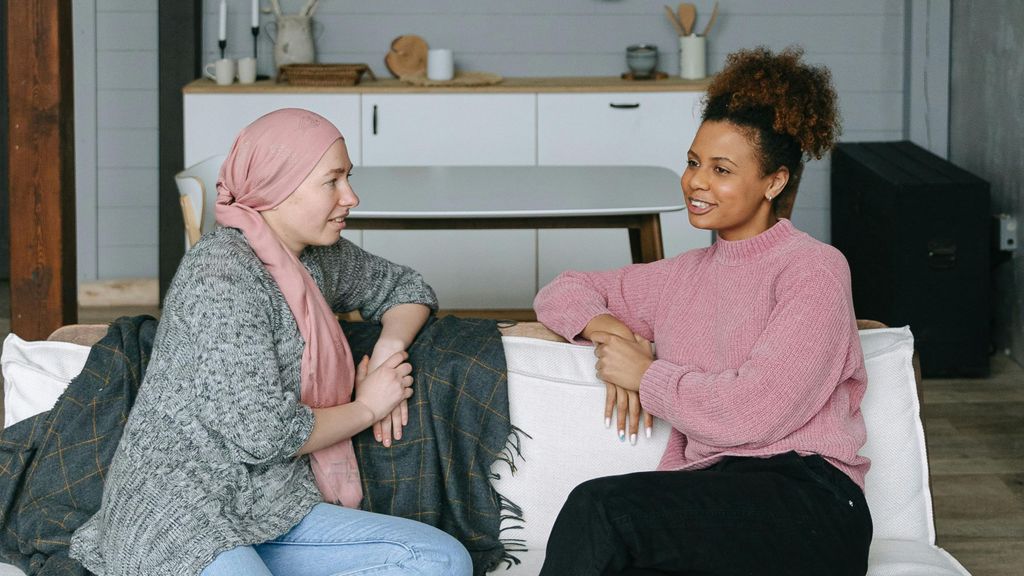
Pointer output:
645, 241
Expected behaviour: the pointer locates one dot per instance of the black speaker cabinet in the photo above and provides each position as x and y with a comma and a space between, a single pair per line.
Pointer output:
915, 230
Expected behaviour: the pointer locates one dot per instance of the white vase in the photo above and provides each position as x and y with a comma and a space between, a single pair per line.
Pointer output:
293, 40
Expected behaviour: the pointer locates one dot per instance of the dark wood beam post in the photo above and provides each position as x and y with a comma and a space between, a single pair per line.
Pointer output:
181, 45
42, 167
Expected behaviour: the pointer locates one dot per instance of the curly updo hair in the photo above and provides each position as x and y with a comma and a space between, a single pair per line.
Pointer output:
788, 107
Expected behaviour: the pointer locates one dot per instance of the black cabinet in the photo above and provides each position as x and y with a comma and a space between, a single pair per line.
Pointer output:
915, 230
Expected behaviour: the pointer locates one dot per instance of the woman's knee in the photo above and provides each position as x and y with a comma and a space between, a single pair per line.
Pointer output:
441, 553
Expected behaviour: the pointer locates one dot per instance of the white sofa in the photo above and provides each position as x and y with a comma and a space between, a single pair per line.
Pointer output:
555, 398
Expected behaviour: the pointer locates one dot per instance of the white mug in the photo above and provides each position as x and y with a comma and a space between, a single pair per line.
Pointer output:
247, 70
223, 71
440, 64
692, 57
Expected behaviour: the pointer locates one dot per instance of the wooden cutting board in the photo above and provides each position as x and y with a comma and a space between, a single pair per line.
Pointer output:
408, 56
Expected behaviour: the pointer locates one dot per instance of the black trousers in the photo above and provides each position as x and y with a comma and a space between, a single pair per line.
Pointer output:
785, 515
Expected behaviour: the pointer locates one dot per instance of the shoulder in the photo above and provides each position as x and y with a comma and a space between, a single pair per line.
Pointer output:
811, 260
221, 262
341, 252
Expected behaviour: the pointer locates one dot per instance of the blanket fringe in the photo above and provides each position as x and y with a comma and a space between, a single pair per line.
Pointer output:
512, 514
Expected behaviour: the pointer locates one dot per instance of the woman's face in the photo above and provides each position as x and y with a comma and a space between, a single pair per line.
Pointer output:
314, 214
723, 185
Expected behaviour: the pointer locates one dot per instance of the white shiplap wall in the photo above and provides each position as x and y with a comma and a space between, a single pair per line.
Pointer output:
862, 41
120, 186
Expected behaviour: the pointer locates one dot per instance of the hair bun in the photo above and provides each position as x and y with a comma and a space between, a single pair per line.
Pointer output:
801, 96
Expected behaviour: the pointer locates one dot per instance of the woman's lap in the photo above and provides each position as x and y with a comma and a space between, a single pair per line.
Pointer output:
785, 512
334, 541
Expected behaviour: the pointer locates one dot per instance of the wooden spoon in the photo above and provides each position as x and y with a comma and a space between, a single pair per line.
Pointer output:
687, 16
711, 22
675, 21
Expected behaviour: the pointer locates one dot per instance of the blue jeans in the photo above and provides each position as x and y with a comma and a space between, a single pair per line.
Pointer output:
336, 541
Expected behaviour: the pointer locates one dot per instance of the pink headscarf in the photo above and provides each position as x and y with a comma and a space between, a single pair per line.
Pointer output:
270, 159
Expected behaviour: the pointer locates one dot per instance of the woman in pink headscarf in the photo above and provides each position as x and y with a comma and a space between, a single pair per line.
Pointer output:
237, 456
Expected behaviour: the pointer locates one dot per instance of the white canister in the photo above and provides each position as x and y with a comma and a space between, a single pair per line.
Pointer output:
440, 64
692, 57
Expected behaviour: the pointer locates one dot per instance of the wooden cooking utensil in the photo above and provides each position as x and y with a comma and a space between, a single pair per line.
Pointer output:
674, 20
711, 22
408, 56
687, 16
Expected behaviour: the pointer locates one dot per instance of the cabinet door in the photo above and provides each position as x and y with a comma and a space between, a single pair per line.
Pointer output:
467, 268
449, 129
614, 129
212, 121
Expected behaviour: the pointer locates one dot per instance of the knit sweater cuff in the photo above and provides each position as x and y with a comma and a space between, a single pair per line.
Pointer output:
575, 319
658, 387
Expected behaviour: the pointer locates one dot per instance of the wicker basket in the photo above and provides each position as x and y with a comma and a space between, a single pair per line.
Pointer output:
324, 74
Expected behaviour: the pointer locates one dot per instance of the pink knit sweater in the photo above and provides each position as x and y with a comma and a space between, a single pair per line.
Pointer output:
757, 346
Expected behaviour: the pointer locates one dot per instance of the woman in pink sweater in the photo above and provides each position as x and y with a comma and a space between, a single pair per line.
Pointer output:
758, 369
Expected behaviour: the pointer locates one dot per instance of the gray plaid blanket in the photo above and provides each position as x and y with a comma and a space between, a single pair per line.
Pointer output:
52, 465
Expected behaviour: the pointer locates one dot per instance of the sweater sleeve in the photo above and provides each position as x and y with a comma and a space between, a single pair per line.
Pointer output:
631, 294
236, 371
792, 370
358, 280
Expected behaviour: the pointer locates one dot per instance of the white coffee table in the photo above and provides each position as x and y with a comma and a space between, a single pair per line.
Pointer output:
503, 197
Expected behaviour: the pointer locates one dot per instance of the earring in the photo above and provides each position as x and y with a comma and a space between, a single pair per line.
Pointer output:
768, 197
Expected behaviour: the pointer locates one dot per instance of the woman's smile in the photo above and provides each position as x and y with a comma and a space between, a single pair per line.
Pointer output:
698, 207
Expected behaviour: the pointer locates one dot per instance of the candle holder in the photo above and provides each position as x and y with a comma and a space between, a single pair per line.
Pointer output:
223, 45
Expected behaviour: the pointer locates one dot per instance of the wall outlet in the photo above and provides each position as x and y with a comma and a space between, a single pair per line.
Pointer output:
1007, 238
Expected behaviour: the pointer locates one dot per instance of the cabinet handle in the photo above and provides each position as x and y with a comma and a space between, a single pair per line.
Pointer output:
374, 119
624, 106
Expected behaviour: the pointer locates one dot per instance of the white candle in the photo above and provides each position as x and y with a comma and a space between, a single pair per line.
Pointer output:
222, 30
255, 13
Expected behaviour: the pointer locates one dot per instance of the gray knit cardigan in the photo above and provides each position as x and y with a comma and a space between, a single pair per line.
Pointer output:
207, 461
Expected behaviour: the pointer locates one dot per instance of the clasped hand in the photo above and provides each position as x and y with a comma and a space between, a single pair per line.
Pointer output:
384, 385
621, 364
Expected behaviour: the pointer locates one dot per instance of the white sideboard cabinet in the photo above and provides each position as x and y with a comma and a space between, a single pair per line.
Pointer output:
523, 121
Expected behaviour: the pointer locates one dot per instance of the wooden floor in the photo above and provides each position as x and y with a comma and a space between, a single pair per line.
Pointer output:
975, 434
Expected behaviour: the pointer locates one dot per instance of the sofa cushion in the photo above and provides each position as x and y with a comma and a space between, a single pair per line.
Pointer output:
896, 487
36, 374
905, 558
555, 396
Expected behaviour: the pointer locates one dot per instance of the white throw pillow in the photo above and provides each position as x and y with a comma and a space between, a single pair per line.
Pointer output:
36, 374
896, 487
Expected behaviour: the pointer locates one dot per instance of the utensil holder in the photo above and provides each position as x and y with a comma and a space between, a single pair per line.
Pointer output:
692, 57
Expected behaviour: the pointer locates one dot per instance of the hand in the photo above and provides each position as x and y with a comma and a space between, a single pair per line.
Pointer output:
390, 425
383, 389
621, 364
622, 361
627, 403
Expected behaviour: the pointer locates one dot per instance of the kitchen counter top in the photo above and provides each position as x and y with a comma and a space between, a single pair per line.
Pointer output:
514, 84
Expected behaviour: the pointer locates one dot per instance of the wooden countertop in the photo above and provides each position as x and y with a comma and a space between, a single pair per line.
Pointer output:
518, 84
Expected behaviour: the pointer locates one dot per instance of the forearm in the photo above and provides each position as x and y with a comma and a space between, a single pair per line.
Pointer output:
400, 324
607, 323
337, 423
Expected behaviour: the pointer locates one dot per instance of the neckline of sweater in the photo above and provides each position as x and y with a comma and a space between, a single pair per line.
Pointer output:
737, 252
